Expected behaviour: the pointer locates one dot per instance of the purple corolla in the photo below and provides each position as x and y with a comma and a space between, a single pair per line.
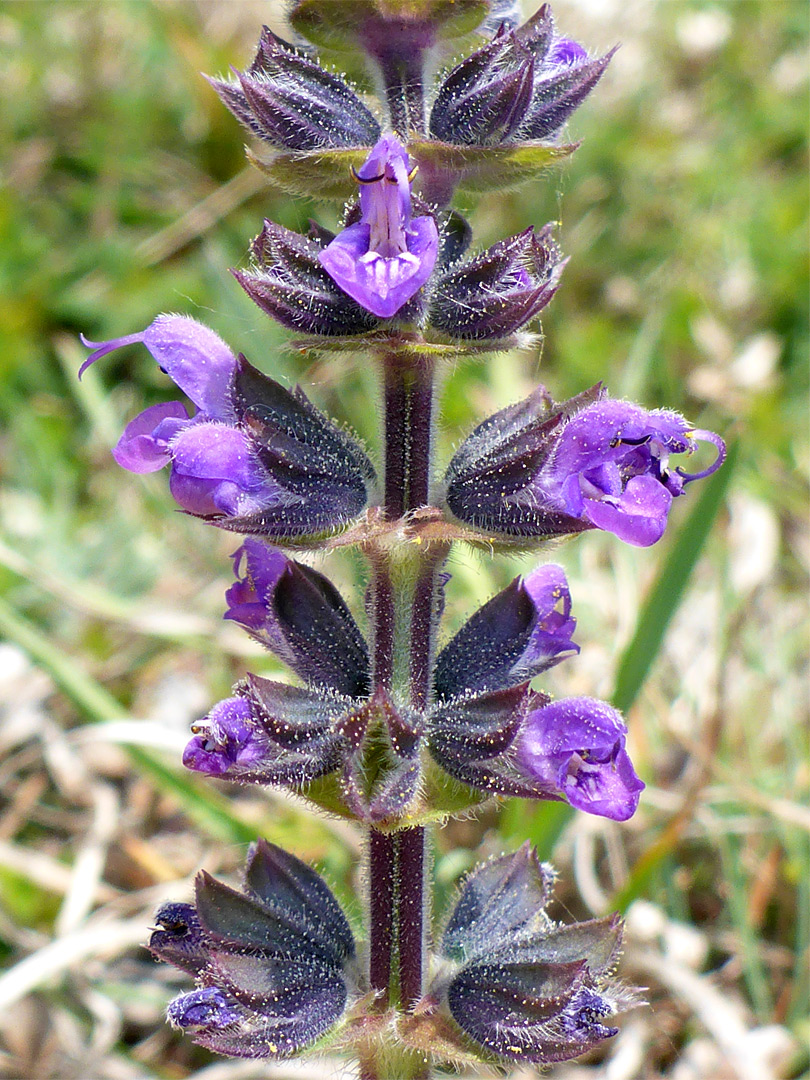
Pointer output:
387, 256
565, 51
203, 1010
576, 746
227, 742
539, 469
611, 468
524, 630
214, 468
299, 615
254, 457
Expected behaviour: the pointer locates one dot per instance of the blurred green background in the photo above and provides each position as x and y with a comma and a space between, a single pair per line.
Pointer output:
685, 213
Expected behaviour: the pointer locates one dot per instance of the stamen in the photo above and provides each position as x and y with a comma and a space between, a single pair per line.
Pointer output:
618, 441
101, 348
366, 180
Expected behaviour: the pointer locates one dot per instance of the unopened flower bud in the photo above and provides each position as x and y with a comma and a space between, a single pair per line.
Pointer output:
516, 983
287, 99
278, 959
496, 293
520, 87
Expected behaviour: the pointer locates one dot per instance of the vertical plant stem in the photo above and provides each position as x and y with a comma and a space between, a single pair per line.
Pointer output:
395, 441
381, 881
408, 403
383, 619
420, 442
423, 623
404, 595
412, 897
411, 913
409, 419
404, 89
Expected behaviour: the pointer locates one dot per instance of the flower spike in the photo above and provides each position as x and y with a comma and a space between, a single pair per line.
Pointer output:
378, 729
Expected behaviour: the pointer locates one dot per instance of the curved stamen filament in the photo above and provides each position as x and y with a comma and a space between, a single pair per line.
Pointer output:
367, 179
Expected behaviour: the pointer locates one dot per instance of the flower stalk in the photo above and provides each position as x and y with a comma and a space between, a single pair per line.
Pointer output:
379, 728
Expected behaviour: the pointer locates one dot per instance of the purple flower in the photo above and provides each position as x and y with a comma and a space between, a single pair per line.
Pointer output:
203, 1010
299, 615
196, 358
213, 468
550, 640
254, 458
228, 741
386, 257
514, 741
537, 469
565, 51
575, 747
611, 468
270, 733
583, 1014
520, 633
178, 937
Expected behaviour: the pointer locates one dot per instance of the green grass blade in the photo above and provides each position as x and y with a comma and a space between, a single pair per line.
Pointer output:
668, 590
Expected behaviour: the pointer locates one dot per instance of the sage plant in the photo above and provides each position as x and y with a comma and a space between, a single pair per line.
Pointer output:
379, 728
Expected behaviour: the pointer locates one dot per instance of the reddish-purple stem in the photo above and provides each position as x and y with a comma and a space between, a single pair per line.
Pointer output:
397, 895
411, 914
381, 882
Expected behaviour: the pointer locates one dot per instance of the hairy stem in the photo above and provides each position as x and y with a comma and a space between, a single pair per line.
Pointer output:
382, 870
408, 403
405, 587
402, 73
411, 914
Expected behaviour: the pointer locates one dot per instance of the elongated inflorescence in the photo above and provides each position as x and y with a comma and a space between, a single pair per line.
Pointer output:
380, 725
